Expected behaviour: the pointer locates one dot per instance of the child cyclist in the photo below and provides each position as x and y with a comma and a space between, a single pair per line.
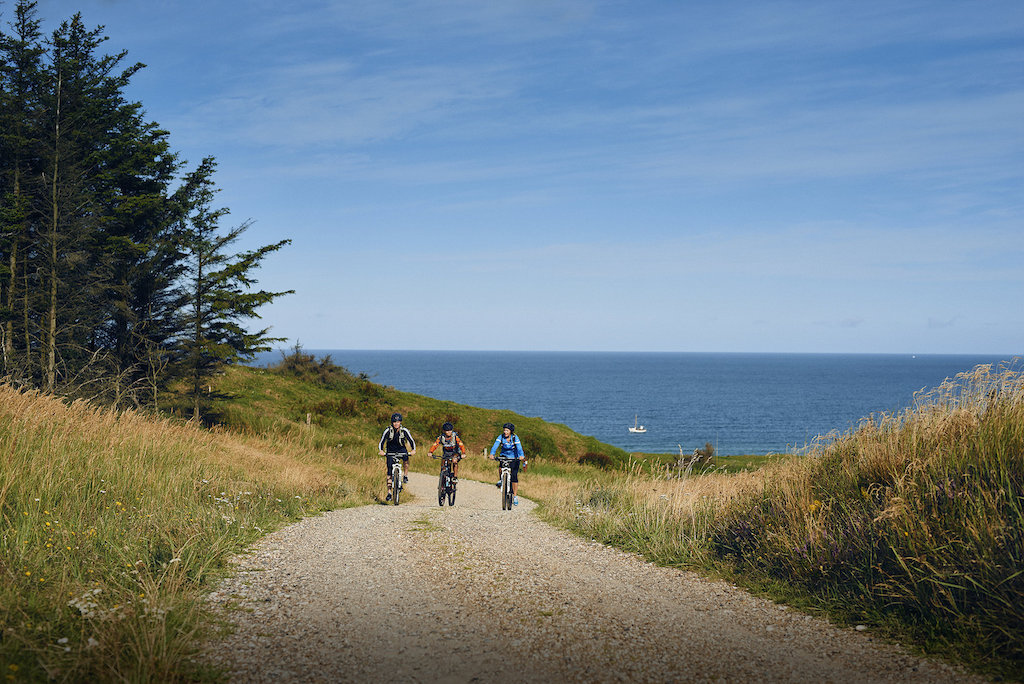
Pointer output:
451, 447
511, 448
397, 442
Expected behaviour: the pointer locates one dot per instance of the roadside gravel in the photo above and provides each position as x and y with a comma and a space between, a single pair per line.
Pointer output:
474, 593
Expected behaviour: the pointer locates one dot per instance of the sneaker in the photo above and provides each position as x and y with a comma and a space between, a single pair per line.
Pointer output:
498, 484
405, 478
389, 498
515, 500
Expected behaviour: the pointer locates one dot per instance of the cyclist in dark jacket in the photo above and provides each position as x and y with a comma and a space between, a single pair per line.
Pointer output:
397, 442
512, 448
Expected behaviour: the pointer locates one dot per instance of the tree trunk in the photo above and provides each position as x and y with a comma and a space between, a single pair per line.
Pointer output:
50, 350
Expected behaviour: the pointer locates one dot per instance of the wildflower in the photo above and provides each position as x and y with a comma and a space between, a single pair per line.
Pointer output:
28, 573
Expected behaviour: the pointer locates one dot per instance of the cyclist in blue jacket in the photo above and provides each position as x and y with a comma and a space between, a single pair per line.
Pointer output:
511, 447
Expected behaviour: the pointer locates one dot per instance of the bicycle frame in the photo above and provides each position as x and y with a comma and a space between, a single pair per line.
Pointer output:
445, 483
396, 477
506, 482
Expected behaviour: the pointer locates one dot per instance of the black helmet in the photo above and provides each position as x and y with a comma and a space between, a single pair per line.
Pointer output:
510, 426
446, 427
396, 417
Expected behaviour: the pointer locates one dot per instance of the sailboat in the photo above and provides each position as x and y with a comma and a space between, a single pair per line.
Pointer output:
636, 427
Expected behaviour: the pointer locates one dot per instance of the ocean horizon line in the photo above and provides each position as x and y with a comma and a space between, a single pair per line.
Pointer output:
308, 349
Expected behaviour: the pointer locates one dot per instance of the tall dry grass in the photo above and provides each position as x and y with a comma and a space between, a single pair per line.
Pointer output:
112, 523
913, 522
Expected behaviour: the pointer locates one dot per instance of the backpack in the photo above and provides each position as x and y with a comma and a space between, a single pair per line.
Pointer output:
449, 445
401, 435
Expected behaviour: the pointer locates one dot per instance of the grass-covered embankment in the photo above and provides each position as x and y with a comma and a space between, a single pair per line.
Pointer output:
111, 524
913, 523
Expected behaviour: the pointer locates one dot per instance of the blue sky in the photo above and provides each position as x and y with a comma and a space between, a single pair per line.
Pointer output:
560, 174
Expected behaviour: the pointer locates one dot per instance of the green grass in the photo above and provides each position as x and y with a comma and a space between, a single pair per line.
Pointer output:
112, 524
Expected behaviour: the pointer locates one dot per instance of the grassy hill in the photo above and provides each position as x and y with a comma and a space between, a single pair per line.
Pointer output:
324, 405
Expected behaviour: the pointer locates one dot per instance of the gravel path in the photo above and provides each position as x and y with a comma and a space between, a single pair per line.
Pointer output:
474, 593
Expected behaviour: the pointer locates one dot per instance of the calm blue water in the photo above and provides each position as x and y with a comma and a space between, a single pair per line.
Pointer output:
743, 403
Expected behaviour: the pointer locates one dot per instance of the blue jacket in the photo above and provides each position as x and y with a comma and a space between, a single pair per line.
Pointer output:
510, 448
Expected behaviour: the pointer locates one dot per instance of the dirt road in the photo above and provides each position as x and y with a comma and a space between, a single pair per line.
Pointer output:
473, 593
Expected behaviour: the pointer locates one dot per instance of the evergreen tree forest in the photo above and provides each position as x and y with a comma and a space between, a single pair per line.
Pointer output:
116, 277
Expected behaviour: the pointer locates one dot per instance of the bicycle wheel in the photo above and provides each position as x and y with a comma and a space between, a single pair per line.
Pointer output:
506, 490
441, 489
397, 486
451, 494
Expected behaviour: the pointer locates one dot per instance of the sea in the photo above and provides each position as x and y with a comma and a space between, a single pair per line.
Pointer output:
741, 403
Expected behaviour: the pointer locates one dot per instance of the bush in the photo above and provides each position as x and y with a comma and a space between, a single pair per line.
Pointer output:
592, 458
322, 371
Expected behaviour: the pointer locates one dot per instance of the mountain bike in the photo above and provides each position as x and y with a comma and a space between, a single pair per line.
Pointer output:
446, 482
396, 477
506, 482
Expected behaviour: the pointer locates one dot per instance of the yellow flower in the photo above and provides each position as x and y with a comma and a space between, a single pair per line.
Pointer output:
28, 573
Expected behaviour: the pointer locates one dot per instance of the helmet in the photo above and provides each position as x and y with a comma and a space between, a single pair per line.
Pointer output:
396, 417
446, 427
510, 426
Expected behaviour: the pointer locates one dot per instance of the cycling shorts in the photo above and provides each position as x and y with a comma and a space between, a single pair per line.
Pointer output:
514, 465
391, 460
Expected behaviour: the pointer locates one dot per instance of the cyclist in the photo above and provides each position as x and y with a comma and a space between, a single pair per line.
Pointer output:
451, 447
512, 448
397, 442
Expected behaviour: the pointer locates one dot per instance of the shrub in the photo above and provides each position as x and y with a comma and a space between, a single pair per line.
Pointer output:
592, 458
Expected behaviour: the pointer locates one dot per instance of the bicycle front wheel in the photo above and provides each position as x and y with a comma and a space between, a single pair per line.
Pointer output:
441, 489
506, 493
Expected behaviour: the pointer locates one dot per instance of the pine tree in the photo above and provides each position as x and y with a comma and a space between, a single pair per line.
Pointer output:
219, 287
20, 68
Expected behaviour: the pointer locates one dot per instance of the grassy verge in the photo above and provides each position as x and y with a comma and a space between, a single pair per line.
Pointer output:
111, 524
912, 523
